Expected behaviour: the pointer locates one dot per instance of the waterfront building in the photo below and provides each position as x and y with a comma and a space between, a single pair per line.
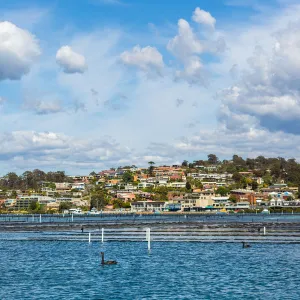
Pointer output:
150, 206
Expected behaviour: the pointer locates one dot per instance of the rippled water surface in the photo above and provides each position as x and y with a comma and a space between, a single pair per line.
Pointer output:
71, 270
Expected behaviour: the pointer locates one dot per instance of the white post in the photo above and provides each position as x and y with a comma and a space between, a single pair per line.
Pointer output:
72, 218
89, 237
40, 218
292, 212
102, 235
264, 230
149, 238
32, 218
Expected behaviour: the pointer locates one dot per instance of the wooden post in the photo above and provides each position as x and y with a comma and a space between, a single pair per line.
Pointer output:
264, 230
89, 237
102, 235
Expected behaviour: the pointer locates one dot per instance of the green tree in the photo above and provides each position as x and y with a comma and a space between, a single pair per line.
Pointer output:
34, 206
254, 185
232, 199
188, 186
99, 198
237, 177
222, 191
212, 159
151, 167
185, 163
64, 206
13, 194
127, 177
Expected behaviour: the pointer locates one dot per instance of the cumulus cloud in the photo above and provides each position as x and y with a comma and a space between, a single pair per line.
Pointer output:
203, 17
49, 149
19, 49
146, 59
269, 89
45, 106
193, 71
185, 43
225, 143
70, 61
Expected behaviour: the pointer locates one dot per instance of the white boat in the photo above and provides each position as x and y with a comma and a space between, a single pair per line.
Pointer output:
75, 211
265, 211
93, 211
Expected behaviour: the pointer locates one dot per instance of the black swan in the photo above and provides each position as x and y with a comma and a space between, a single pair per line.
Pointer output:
109, 262
245, 245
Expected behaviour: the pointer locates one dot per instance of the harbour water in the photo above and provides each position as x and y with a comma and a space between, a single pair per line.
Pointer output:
178, 270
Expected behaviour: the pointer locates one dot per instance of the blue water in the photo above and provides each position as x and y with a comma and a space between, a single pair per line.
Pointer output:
152, 218
71, 270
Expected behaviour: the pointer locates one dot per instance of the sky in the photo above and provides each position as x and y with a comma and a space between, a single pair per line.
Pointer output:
92, 84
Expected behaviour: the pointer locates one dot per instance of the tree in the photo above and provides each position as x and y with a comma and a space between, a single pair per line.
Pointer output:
212, 159
185, 163
34, 206
188, 186
13, 194
222, 191
151, 167
233, 199
99, 198
237, 177
64, 205
127, 177
254, 185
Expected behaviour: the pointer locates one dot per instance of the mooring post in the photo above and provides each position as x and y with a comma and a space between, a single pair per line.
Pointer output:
149, 238
264, 230
102, 235
40, 218
89, 237
72, 217
32, 218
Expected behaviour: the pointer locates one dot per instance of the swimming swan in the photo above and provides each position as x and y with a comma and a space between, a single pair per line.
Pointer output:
109, 262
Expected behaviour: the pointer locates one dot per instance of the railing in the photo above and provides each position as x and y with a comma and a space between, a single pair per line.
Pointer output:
174, 234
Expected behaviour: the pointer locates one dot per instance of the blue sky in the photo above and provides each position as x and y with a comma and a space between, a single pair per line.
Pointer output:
104, 83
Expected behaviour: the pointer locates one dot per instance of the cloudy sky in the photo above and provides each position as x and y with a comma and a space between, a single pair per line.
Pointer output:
104, 83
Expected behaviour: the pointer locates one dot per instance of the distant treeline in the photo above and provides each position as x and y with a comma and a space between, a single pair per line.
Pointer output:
272, 169
32, 179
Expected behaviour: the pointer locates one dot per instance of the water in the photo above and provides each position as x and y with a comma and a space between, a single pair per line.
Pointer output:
151, 218
71, 270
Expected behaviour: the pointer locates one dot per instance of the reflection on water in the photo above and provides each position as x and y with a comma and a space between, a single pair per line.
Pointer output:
71, 270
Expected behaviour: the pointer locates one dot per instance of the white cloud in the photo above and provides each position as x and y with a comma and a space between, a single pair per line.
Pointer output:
192, 72
203, 17
43, 106
2, 100
185, 43
70, 61
21, 149
146, 58
268, 89
18, 51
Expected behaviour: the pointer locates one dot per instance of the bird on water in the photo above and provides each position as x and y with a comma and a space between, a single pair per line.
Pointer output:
108, 262
245, 245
